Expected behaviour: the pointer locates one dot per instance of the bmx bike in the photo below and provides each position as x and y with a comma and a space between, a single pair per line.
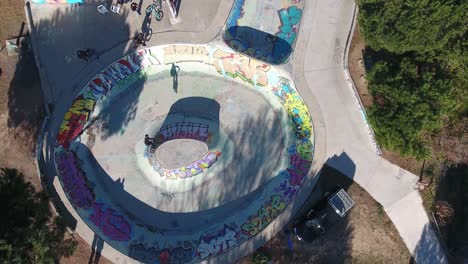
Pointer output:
156, 9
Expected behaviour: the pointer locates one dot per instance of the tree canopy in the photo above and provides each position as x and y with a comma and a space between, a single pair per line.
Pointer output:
401, 26
418, 71
409, 98
28, 232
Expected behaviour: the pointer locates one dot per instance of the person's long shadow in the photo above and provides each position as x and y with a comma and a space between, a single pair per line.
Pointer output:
174, 74
96, 249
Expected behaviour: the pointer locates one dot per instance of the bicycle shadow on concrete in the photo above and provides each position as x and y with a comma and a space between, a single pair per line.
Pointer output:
258, 44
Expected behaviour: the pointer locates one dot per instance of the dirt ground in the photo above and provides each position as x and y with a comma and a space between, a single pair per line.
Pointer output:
446, 187
20, 99
367, 235
21, 108
356, 67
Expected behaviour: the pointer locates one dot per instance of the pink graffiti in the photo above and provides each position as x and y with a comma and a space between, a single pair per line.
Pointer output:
112, 225
74, 183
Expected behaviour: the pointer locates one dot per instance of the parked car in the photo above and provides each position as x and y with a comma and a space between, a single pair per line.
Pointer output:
317, 220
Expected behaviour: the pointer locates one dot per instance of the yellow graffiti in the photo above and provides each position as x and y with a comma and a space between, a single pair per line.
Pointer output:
80, 107
297, 109
184, 53
247, 69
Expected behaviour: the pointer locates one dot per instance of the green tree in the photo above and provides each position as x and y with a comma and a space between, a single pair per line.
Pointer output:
28, 232
411, 97
401, 26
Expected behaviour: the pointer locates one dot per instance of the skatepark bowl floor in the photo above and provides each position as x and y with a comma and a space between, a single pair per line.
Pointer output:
233, 143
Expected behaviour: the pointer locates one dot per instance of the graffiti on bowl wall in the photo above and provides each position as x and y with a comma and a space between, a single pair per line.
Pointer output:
275, 40
182, 130
145, 242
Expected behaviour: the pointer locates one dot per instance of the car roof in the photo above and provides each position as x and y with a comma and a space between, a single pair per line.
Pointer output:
341, 202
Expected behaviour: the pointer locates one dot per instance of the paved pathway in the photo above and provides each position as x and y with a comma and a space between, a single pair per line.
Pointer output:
318, 68
318, 65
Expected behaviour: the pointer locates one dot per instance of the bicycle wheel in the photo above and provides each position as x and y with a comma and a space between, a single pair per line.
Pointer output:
149, 10
158, 15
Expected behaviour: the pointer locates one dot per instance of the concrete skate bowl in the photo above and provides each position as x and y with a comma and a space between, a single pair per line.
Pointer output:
233, 145
264, 30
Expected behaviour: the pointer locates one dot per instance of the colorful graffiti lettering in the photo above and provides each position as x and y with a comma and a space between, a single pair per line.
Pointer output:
186, 130
290, 19
304, 149
117, 71
112, 225
188, 171
296, 108
185, 53
73, 180
74, 121
183, 130
236, 65
152, 255
212, 245
286, 191
265, 215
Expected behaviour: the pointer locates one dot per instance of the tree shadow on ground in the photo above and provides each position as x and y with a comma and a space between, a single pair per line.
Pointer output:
57, 37
25, 102
449, 215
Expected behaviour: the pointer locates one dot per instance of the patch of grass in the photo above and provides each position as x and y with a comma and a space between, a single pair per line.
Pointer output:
380, 211
260, 257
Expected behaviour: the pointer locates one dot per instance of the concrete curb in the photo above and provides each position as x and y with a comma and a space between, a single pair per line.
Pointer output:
353, 86
42, 75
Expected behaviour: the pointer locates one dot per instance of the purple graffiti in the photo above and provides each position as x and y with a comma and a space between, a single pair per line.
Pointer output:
298, 169
112, 225
286, 191
188, 171
73, 180
183, 130
197, 167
